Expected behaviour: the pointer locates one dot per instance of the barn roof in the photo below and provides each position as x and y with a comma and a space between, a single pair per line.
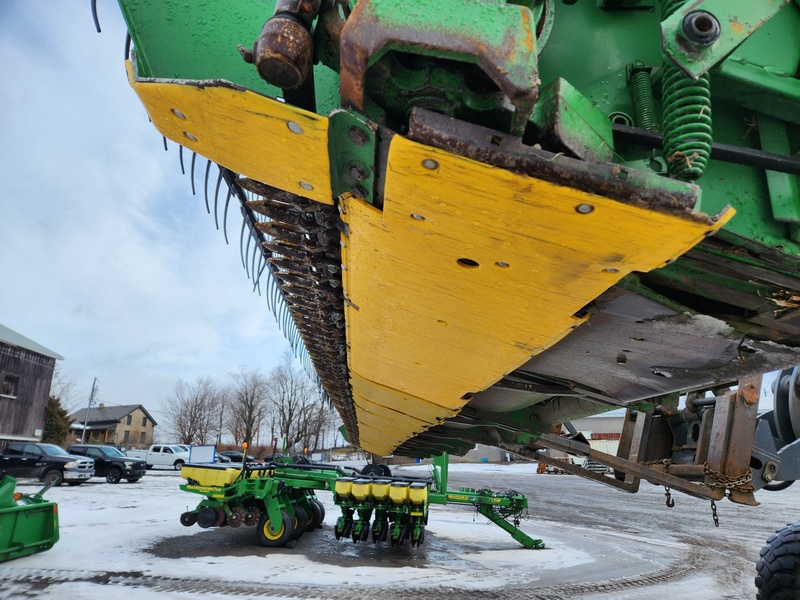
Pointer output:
12, 338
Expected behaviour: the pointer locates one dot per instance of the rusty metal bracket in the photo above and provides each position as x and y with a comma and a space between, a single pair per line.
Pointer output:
631, 488
629, 467
506, 51
352, 146
639, 188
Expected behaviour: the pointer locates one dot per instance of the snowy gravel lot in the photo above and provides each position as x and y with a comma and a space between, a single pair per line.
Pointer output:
126, 540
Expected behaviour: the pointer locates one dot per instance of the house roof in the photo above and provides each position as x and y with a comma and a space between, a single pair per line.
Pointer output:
107, 414
12, 338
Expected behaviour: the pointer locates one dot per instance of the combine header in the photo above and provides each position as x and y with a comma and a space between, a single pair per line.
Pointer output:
279, 498
482, 220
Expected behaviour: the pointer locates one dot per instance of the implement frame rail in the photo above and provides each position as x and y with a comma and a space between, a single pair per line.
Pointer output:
497, 507
281, 495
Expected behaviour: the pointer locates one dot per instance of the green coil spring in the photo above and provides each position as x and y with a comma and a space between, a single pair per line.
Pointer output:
685, 116
644, 108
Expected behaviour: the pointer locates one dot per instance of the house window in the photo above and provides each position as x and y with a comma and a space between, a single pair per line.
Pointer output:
144, 421
9, 386
130, 420
142, 438
126, 436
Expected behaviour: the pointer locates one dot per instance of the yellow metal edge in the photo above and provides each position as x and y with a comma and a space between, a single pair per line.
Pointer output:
693, 232
243, 131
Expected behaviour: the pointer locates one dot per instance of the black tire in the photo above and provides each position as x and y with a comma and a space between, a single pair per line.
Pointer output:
300, 522
133, 479
114, 475
777, 486
316, 516
54, 477
385, 470
178, 464
322, 511
279, 538
371, 469
778, 568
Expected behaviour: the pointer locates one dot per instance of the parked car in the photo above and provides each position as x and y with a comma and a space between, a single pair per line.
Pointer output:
235, 456
111, 463
163, 455
45, 462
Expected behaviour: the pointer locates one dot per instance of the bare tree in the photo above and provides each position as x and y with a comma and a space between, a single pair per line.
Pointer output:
248, 406
299, 413
193, 411
63, 388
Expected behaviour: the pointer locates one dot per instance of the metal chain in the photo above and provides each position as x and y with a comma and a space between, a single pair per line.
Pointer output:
664, 461
670, 502
724, 481
714, 513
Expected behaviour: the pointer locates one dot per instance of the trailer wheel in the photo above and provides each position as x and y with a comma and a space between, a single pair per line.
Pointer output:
53, 477
113, 475
317, 514
778, 569
188, 519
322, 512
280, 537
300, 522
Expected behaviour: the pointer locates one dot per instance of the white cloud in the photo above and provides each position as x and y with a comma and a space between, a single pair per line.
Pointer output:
105, 255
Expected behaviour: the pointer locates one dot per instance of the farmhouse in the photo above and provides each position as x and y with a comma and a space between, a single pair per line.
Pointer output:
130, 425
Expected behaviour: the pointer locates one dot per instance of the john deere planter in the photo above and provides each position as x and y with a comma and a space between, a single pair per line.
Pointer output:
280, 499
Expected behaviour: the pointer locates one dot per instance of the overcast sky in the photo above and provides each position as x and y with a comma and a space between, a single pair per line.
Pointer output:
106, 257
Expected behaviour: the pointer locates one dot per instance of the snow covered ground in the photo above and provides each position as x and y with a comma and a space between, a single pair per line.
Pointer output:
128, 537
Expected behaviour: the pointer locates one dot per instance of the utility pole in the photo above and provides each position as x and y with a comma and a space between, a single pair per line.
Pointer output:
86, 417
219, 431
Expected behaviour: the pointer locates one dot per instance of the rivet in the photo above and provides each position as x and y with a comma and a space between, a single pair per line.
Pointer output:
178, 113
611, 270
431, 164
190, 136
294, 127
502, 264
584, 209
417, 217
306, 186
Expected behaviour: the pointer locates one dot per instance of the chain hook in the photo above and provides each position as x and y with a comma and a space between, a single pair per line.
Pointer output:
714, 513
670, 502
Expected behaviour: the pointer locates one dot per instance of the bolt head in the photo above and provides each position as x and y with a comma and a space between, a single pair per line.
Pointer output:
357, 135
359, 172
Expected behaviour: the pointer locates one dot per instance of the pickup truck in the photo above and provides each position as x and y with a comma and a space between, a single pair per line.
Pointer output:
111, 463
46, 462
162, 455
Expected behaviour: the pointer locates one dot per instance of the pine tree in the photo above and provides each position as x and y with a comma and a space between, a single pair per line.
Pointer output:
56, 422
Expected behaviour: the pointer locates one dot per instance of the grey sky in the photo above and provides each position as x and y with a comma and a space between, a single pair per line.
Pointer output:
105, 256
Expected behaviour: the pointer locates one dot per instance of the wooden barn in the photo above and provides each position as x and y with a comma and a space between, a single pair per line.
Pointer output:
26, 372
